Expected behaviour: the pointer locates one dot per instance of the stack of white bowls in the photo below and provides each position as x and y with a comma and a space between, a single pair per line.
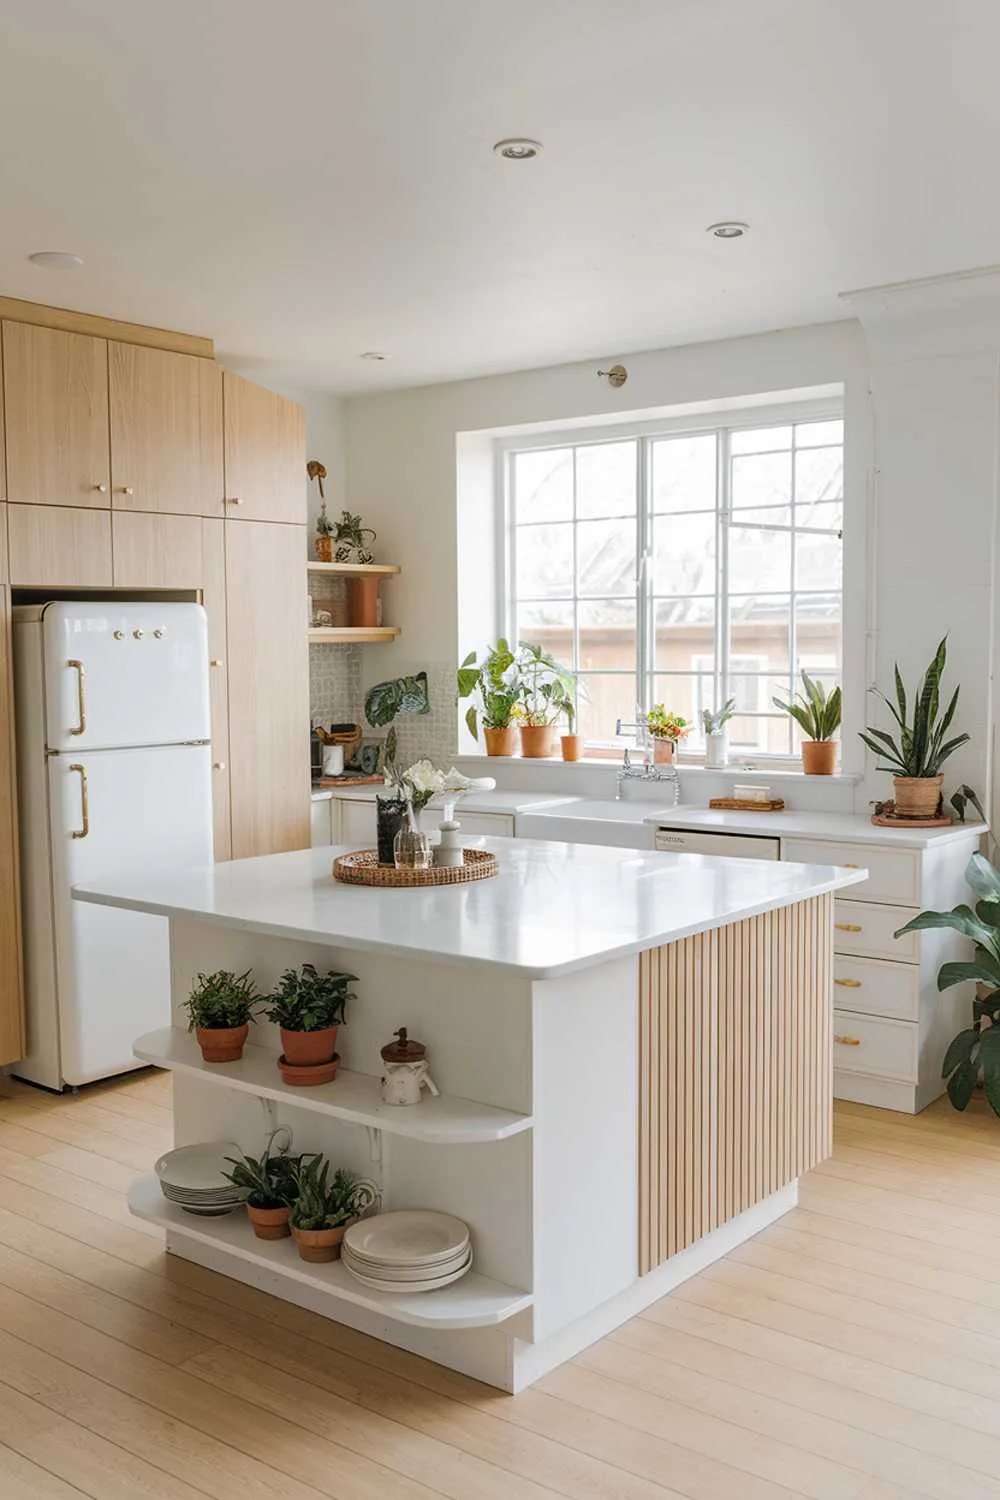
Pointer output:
412, 1250
192, 1177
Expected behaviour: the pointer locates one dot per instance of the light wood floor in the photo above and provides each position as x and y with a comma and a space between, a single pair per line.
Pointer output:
850, 1352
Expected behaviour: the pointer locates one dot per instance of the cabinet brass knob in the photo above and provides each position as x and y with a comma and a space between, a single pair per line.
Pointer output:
216, 661
218, 765
137, 634
234, 500
847, 1041
101, 489
125, 489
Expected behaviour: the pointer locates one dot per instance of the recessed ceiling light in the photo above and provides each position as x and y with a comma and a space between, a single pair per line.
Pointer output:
56, 260
517, 148
728, 229
374, 354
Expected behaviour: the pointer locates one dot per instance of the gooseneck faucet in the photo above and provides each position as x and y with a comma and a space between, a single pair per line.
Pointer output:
648, 770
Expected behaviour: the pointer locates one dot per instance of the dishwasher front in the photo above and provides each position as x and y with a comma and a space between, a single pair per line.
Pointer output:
729, 845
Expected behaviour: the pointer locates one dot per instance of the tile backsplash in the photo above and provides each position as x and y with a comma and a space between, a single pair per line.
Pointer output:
336, 695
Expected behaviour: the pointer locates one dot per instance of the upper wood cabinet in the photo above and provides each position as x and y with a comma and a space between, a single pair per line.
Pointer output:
166, 431
56, 411
265, 447
59, 546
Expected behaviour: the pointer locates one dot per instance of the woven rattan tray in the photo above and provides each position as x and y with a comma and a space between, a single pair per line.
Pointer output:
363, 868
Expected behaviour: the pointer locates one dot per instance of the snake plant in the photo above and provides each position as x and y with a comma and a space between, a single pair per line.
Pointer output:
920, 748
817, 715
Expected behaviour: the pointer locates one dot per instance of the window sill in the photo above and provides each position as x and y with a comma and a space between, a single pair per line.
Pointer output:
686, 767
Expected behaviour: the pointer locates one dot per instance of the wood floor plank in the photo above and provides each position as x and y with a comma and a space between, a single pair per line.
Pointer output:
101, 1469
20, 1479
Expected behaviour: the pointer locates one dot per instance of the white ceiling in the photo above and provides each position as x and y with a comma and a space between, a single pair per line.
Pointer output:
308, 179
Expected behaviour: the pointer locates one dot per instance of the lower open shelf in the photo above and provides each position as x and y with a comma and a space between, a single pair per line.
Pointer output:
473, 1302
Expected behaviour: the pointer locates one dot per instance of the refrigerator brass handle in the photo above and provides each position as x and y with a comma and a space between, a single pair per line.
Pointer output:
847, 1041
81, 697
849, 984
81, 833
848, 927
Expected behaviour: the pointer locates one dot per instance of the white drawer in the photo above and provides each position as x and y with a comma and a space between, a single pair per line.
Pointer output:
862, 928
893, 874
496, 825
877, 987
869, 1044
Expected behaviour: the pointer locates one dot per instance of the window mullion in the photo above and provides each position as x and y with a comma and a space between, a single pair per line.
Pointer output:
644, 612
723, 686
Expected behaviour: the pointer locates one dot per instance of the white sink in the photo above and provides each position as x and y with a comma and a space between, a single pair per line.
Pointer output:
583, 820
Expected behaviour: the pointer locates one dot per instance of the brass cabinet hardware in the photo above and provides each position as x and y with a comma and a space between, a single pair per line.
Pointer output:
125, 489
847, 1041
159, 634
216, 661
233, 500
84, 829
218, 765
137, 634
848, 866
848, 927
81, 698
101, 489
849, 984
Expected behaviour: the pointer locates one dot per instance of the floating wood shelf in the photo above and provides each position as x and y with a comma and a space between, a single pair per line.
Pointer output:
353, 570
354, 635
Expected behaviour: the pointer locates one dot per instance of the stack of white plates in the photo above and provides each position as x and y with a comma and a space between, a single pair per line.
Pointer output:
409, 1251
192, 1178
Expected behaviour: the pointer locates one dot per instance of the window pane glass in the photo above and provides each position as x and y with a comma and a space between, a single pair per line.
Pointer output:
684, 473
684, 694
819, 475
548, 625
685, 635
760, 439
605, 557
826, 517
684, 555
759, 632
543, 485
605, 480
762, 479
767, 515
759, 561
818, 561
818, 632
608, 635
759, 734
544, 562
604, 699
815, 434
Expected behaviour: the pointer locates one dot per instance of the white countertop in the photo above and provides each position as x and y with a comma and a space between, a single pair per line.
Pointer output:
552, 909
847, 828
480, 802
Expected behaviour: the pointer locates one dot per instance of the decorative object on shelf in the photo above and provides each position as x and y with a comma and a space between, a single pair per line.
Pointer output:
405, 1070
352, 541
365, 609
495, 681
916, 755
220, 1009
975, 1052
333, 760
545, 694
323, 545
411, 1250
268, 1185
818, 716
714, 721
363, 868
667, 730
322, 620
325, 1207
195, 1179
308, 1007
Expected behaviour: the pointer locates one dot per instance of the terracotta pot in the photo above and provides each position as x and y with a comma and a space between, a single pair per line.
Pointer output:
364, 601
324, 548
572, 746
269, 1223
319, 1245
917, 796
663, 751
501, 741
304, 1049
819, 757
537, 741
222, 1044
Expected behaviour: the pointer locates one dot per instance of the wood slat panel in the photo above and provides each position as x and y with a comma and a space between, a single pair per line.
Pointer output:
736, 1082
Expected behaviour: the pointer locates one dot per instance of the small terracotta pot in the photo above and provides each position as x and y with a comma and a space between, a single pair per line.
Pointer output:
663, 751
819, 757
269, 1223
501, 741
364, 601
221, 1044
572, 746
537, 741
319, 1245
305, 1049
324, 548
917, 796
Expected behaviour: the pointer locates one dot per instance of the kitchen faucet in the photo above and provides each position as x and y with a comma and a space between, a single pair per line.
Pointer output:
648, 770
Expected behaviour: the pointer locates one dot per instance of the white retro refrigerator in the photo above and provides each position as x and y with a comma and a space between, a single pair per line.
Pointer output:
114, 773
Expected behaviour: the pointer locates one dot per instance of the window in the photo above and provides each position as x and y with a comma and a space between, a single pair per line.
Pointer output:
683, 567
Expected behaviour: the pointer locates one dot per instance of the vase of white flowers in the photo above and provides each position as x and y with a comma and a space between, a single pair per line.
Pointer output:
412, 847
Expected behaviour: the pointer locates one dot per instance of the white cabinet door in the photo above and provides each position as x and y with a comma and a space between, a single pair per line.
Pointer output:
496, 825
320, 823
357, 824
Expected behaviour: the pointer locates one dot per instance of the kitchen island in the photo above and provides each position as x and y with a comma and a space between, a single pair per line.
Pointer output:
633, 1052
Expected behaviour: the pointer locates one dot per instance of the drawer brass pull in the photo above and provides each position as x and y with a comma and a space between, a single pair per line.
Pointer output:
848, 927
847, 1041
848, 866
848, 984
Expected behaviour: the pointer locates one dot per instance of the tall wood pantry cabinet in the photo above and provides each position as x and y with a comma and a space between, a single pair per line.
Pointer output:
131, 460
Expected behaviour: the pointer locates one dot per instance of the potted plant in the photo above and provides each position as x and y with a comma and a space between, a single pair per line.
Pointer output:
571, 744
220, 1009
714, 722
324, 534
325, 1207
915, 756
269, 1182
494, 680
667, 729
545, 690
309, 1007
818, 716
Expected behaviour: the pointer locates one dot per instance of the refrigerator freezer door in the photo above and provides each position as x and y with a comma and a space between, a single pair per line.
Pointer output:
125, 674
110, 811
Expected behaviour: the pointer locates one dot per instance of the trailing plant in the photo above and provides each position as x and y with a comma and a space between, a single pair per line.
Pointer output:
325, 1202
664, 724
714, 720
400, 695
545, 687
495, 680
977, 1049
269, 1180
306, 1000
349, 536
816, 713
221, 1001
920, 748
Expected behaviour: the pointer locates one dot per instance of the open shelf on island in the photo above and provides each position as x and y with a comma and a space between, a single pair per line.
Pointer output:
353, 570
354, 1097
474, 1302
354, 635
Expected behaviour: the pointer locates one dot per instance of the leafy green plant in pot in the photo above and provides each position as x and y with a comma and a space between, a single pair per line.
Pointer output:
916, 754
325, 1207
545, 693
818, 716
220, 1008
269, 1182
495, 682
309, 1007
974, 1052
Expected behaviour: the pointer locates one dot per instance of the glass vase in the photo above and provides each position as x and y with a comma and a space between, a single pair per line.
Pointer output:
412, 849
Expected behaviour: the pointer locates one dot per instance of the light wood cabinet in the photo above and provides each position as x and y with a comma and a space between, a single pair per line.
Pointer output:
268, 688
166, 431
265, 447
56, 410
214, 595
156, 552
11, 994
54, 544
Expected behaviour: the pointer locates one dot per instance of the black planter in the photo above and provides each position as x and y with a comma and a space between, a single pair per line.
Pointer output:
391, 815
